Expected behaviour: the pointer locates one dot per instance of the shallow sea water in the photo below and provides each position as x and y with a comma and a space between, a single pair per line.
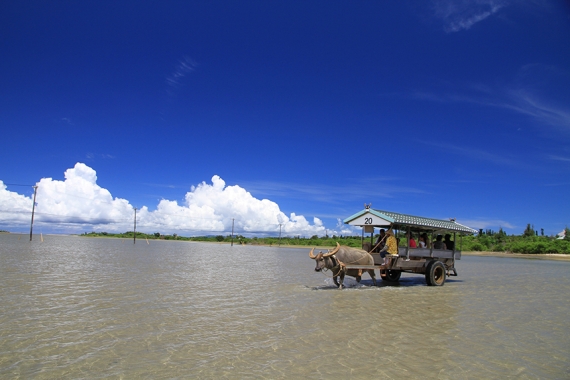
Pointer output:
75, 307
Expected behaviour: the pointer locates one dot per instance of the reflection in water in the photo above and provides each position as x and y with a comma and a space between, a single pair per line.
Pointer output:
79, 307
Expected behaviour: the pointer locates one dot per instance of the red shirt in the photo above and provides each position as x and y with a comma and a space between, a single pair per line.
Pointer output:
413, 243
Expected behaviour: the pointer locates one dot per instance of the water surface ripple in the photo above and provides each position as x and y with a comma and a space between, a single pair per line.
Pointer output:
96, 308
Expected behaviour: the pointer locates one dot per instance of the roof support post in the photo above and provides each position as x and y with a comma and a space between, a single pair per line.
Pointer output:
454, 249
408, 244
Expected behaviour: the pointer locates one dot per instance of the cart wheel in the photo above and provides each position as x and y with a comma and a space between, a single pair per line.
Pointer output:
435, 273
390, 275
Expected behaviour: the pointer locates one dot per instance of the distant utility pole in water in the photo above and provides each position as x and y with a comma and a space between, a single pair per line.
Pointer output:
135, 228
280, 234
33, 209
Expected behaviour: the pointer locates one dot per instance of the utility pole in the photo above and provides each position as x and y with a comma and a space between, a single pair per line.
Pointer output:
135, 229
232, 232
33, 209
280, 234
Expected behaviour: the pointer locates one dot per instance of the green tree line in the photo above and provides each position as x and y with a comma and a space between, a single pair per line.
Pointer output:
529, 242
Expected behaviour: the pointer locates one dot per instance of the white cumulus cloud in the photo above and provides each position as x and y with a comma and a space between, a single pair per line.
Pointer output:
15, 208
78, 204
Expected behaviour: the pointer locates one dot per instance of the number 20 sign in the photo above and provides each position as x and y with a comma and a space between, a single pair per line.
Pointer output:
369, 220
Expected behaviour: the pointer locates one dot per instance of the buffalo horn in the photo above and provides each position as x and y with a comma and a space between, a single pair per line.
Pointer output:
333, 251
311, 254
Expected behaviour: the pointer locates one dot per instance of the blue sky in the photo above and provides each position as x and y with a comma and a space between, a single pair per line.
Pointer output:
284, 112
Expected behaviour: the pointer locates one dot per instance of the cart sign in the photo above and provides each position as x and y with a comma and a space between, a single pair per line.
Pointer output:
370, 219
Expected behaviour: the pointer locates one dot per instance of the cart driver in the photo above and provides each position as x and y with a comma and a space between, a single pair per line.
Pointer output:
390, 248
381, 241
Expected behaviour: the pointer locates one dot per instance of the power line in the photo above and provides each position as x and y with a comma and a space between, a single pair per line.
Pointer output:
109, 220
100, 223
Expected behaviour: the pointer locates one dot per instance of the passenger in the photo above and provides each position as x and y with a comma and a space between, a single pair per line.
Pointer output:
448, 243
424, 240
411, 241
380, 241
438, 243
390, 248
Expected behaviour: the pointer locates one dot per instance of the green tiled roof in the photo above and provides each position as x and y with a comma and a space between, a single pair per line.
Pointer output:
414, 221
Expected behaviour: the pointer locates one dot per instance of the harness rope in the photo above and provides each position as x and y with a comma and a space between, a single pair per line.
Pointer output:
341, 266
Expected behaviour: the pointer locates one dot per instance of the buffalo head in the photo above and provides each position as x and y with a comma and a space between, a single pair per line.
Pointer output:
323, 259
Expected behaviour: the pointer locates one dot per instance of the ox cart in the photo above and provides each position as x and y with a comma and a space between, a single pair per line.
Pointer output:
435, 263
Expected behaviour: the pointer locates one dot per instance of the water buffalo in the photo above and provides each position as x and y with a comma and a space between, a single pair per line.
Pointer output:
337, 259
